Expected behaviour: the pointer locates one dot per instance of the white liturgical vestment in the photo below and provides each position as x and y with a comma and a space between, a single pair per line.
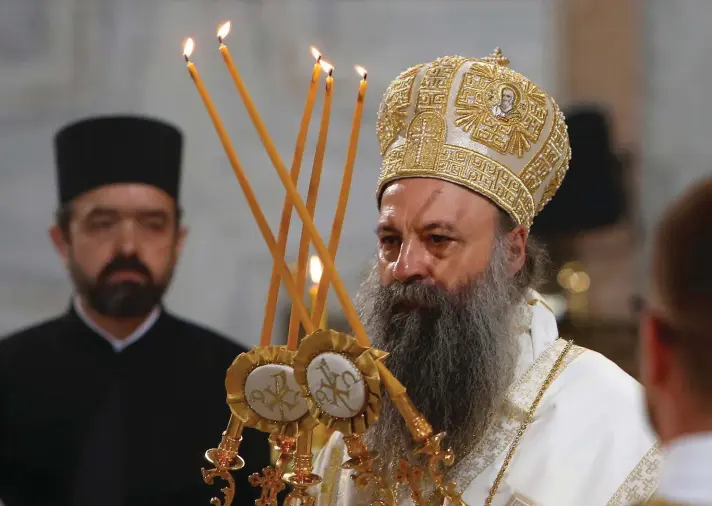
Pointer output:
589, 443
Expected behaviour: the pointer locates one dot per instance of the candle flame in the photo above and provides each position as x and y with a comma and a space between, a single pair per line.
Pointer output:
315, 269
315, 53
328, 67
223, 30
362, 71
188, 48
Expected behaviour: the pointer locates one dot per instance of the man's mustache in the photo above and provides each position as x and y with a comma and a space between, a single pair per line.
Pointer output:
124, 263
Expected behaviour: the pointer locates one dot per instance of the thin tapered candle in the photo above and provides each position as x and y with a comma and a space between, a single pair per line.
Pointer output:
273, 292
319, 245
312, 195
245, 185
337, 225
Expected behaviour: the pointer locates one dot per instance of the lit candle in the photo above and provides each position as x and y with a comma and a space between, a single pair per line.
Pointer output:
315, 273
273, 293
314, 182
329, 268
245, 185
338, 222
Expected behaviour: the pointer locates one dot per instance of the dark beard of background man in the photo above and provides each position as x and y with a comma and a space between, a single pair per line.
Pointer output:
454, 352
123, 299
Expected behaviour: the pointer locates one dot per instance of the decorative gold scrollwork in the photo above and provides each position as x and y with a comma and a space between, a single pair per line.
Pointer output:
229, 491
412, 476
361, 462
438, 461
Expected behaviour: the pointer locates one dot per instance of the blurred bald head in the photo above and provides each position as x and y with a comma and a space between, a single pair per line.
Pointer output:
682, 281
676, 328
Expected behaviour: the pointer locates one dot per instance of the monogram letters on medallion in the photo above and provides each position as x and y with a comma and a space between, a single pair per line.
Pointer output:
336, 385
273, 393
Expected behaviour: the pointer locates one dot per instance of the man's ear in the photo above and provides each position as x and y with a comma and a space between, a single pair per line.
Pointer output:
180, 240
517, 243
60, 242
656, 358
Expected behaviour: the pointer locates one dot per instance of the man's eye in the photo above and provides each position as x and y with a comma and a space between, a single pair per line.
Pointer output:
439, 239
154, 224
101, 224
389, 240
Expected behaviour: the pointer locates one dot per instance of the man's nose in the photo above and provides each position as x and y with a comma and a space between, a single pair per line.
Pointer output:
412, 263
127, 238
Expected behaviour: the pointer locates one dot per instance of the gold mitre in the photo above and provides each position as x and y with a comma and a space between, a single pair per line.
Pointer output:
477, 123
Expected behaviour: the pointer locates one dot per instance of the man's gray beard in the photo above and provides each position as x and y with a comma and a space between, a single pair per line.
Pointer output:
454, 352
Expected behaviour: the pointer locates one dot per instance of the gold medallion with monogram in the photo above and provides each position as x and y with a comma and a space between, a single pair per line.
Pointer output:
340, 381
263, 393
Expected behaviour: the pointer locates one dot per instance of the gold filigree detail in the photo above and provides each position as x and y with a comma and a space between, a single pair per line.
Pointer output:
472, 170
556, 181
497, 57
527, 420
520, 397
361, 463
225, 458
229, 491
520, 500
332, 474
393, 110
270, 480
324, 341
435, 84
411, 476
237, 400
550, 158
640, 484
271, 484
438, 461
424, 141
302, 479
500, 108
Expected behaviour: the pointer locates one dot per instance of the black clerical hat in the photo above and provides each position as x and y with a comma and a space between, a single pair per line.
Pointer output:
592, 194
98, 151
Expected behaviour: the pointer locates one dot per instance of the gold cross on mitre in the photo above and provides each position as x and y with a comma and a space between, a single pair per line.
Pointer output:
497, 57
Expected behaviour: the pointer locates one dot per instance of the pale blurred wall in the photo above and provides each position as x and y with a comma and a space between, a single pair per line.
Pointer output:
60, 59
676, 112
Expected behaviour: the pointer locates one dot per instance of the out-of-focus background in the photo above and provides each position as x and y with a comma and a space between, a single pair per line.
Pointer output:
629, 74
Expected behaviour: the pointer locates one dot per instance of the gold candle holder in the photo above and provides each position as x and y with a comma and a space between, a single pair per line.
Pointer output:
302, 478
361, 463
270, 481
225, 458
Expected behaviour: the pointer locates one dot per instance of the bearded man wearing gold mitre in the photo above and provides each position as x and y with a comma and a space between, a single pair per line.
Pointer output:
472, 151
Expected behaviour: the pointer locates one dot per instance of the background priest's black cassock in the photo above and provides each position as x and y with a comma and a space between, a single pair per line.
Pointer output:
81, 424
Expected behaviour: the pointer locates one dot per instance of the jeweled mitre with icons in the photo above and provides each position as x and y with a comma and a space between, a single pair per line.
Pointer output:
477, 123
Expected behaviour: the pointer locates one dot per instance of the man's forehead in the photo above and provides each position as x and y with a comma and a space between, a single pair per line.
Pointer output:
424, 199
124, 197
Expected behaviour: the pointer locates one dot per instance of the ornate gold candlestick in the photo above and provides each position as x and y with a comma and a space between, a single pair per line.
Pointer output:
270, 481
302, 478
225, 458
361, 462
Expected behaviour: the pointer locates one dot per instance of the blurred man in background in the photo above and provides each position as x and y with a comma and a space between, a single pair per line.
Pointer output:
676, 348
116, 401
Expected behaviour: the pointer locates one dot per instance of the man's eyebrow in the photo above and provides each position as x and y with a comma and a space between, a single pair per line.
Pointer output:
383, 228
439, 225
102, 211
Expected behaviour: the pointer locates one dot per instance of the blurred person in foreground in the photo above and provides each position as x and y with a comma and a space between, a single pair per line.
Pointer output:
451, 298
676, 348
116, 401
